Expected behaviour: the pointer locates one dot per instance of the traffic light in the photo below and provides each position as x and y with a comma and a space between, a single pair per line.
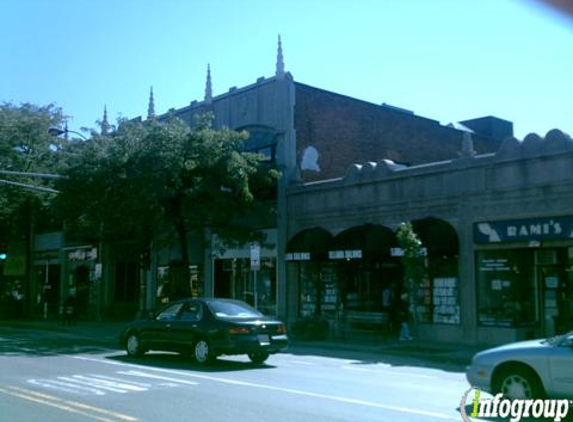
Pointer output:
3, 251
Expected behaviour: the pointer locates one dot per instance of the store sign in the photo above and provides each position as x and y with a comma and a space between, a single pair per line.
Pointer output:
400, 252
346, 254
83, 254
297, 256
524, 230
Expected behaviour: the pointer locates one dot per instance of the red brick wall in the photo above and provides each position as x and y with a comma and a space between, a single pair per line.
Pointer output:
346, 131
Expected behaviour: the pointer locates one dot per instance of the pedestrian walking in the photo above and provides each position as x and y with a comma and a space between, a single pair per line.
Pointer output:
404, 317
69, 310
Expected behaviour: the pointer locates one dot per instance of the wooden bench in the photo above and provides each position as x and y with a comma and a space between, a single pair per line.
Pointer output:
376, 323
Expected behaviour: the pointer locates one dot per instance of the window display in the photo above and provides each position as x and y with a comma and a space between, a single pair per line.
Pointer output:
506, 288
446, 301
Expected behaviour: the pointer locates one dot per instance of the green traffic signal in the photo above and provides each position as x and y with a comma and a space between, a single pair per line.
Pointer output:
3, 256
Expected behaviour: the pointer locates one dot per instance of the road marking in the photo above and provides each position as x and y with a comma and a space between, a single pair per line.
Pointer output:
121, 382
302, 362
378, 371
92, 384
81, 381
68, 387
158, 377
75, 407
401, 409
113, 385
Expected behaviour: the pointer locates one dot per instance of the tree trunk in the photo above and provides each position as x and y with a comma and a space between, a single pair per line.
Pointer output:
179, 274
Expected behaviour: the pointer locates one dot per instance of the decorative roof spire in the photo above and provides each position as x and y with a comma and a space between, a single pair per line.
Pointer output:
280, 72
104, 122
151, 106
208, 87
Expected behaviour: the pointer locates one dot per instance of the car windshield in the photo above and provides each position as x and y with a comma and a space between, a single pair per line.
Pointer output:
233, 309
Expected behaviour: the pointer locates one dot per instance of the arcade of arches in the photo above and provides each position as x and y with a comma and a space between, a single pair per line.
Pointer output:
351, 271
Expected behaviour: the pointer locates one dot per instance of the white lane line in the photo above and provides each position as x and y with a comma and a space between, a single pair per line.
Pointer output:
401, 409
157, 377
302, 362
79, 380
66, 386
113, 385
122, 381
382, 372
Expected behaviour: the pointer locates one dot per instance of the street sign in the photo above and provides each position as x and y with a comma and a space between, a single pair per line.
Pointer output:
255, 256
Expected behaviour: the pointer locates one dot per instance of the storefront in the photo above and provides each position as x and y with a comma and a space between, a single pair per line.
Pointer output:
247, 273
524, 275
360, 269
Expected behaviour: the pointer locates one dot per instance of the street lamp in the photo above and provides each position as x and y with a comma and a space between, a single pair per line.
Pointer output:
56, 131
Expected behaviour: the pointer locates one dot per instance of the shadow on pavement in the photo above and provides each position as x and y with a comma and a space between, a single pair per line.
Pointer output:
185, 362
44, 338
399, 355
21, 339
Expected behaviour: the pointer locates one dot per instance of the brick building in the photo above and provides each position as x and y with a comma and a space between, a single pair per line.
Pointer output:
311, 134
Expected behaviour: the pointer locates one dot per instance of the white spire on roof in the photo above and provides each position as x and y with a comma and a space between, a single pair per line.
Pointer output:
208, 87
151, 106
280, 71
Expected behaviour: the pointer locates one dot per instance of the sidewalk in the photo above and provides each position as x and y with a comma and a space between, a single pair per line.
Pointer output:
442, 353
101, 331
445, 354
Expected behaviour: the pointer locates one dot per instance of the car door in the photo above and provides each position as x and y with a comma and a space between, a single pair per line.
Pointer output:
561, 363
156, 333
184, 328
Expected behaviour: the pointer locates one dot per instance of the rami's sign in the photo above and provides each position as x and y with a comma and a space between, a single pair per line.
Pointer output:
524, 230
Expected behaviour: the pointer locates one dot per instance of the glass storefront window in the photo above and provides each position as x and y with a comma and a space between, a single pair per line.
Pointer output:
506, 288
235, 279
439, 298
319, 289
167, 275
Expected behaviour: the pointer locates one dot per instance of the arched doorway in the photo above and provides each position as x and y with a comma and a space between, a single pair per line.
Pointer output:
311, 272
365, 265
439, 296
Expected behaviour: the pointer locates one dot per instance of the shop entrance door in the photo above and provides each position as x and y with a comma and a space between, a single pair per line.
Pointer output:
550, 278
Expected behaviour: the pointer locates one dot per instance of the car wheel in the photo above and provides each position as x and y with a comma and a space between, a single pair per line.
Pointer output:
258, 357
202, 352
519, 383
133, 345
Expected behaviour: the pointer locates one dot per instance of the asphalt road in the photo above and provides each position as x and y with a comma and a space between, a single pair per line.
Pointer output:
53, 377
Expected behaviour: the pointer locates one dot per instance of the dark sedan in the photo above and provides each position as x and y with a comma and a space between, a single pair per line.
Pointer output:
207, 328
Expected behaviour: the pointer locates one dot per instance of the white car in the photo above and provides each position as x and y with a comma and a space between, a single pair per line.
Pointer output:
526, 369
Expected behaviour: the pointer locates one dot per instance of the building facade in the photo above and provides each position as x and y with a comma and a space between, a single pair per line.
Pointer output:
335, 228
497, 228
310, 134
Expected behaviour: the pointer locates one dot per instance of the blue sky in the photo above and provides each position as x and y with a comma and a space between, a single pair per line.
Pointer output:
448, 60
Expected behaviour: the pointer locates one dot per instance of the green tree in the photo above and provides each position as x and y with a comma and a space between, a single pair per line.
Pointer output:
150, 175
413, 259
413, 262
26, 147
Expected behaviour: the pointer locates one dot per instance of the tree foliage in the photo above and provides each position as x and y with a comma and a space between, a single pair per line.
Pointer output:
413, 259
26, 146
150, 175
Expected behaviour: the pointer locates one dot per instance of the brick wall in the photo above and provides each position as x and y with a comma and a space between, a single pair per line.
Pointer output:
345, 130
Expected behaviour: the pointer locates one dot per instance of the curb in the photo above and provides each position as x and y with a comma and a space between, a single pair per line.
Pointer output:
436, 353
